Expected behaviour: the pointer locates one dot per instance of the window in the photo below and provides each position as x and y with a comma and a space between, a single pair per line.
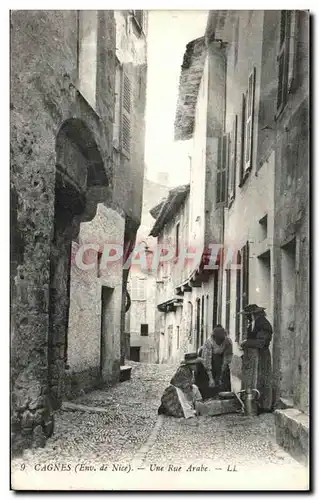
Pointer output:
232, 163
177, 240
242, 141
228, 283
177, 337
222, 167
138, 289
87, 54
144, 329
245, 284
236, 43
250, 120
286, 58
247, 129
238, 298
126, 115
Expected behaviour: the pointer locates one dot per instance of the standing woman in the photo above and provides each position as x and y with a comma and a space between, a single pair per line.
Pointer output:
256, 356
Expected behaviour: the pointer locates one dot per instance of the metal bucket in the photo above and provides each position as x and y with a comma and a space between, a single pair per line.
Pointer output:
250, 398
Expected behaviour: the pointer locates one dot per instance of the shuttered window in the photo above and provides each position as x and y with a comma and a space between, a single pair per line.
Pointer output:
232, 163
126, 116
117, 107
242, 141
250, 120
222, 167
236, 43
286, 58
245, 285
228, 297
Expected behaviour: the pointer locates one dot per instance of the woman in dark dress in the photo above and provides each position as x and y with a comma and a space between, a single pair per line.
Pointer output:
257, 371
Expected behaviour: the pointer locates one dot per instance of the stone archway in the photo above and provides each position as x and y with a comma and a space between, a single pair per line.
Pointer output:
80, 184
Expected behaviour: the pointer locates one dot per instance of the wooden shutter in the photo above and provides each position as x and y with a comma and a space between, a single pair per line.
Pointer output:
117, 107
250, 120
242, 140
222, 167
283, 60
228, 296
232, 162
292, 52
126, 115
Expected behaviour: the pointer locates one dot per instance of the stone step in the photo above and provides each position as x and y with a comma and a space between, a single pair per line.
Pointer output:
292, 433
218, 407
67, 406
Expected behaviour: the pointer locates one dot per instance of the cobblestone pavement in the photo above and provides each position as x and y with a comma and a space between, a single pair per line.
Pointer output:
131, 413
131, 432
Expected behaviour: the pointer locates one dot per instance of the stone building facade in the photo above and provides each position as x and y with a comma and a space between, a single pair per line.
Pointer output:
197, 285
70, 187
258, 106
171, 230
144, 342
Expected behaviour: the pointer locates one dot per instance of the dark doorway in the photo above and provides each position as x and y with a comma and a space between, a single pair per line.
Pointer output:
135, 354
202, 322
215, 299
287, 333
197, 323
106, 295
68, 204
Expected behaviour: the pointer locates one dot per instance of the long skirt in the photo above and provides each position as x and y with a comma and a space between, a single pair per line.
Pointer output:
175, 403
222, 380
257, 374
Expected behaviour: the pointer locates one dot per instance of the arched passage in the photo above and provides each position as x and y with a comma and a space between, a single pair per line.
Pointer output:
80, 184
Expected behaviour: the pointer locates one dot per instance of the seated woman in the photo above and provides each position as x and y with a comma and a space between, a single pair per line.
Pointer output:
217, 355
180, 396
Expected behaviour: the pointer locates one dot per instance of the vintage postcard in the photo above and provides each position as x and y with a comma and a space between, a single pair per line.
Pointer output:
159, 250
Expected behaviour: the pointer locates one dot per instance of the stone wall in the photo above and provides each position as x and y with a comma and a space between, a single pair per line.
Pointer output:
43, 98
291, 230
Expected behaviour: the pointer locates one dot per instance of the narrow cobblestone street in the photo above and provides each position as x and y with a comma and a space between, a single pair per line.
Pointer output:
123, 427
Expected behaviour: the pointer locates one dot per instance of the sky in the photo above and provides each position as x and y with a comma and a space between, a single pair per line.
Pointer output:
168, 34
